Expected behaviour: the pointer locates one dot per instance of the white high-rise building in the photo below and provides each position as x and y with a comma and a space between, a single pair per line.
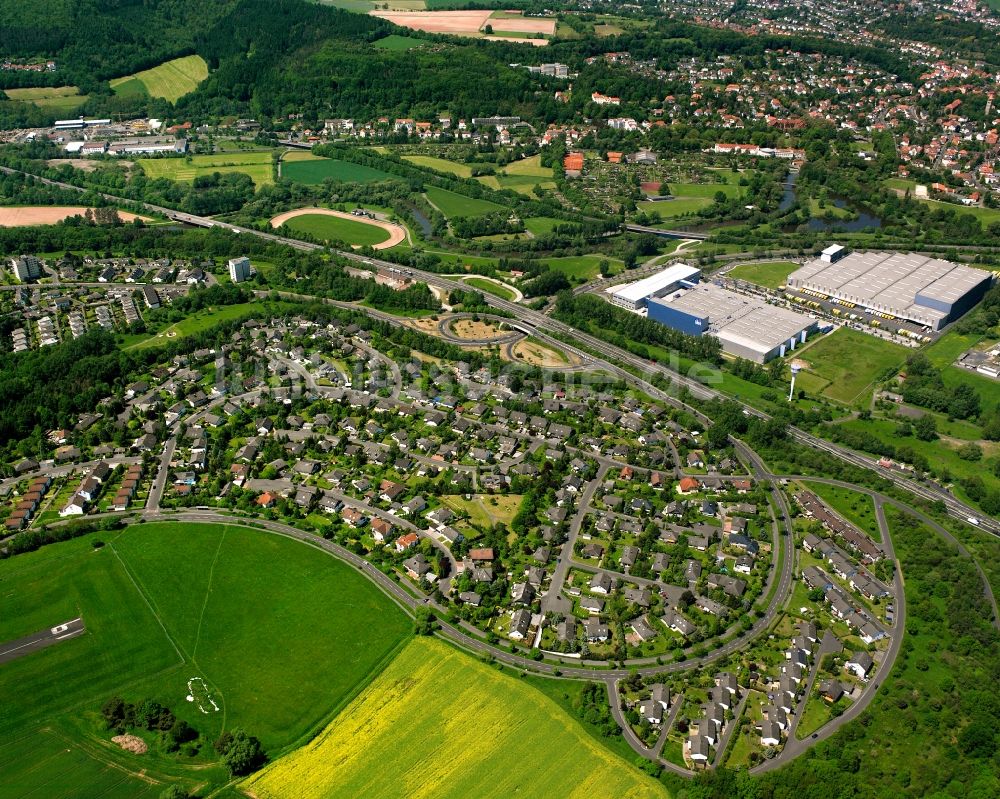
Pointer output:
239, 269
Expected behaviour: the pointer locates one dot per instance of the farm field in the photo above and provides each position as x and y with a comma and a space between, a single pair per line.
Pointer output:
452, 204
440, 164
58, 99
26, 215
170, 80
486, 735
164, 603
847, 363
770, 275
304, 167
329, 225
453, 22
256, 164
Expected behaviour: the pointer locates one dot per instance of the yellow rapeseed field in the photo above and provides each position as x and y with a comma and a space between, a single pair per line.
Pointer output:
440, 724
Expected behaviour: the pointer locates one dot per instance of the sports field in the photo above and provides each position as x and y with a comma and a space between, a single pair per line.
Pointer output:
170, 80
327, 225
58, 99
279, 632
451, 204
770, 274
437, 723
256, 164
844, 365
304, 167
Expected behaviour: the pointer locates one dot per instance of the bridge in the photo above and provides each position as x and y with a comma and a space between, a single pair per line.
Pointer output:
667, 234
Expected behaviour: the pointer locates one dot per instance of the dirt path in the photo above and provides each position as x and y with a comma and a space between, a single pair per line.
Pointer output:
396, 232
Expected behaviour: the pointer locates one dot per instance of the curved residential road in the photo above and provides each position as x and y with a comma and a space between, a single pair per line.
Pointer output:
793, 746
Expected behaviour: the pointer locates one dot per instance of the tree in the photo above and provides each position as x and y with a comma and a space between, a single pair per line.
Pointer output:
241, 752
978, 739
174, 792
423, 621
114, 712
970, 451
925, 428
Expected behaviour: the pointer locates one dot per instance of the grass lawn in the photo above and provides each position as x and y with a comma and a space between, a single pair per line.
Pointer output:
939, 453
669, 209
165, 602
45, 758
58, 99
256, 164
395, 42
705, 190
985, 215
857, 508
485, 510
304, 167
849, 362
521, 176
817, 713
196, 323
831, 209
332, 228
441, 165
770, 275
583, 266
531, 166
281, 634
480, 734
541, 225
451, 204
170, 80
943, 354
490, 287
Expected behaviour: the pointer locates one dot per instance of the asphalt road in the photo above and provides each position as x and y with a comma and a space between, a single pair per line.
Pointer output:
12, 650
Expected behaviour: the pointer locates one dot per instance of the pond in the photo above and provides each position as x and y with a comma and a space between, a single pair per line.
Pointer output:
862, 220
423, 221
